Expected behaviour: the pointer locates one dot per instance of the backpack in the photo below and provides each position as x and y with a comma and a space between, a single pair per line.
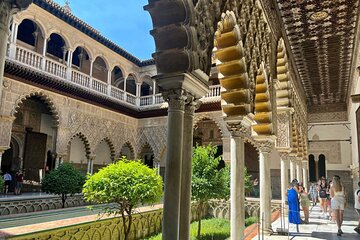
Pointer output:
322, 193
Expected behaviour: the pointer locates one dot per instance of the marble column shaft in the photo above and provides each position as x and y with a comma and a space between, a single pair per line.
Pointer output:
292, 169
305, 177
237, 188
284, 176
171, 212
186, 173
299, 171
265, 191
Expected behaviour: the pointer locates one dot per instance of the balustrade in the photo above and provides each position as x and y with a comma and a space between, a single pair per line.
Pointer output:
35, 60
99, 86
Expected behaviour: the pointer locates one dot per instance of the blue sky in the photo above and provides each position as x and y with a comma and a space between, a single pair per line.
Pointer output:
122, 21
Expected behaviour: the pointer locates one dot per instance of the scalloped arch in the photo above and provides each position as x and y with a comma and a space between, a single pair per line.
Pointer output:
200, 117
111, 146
84, 140
44, 97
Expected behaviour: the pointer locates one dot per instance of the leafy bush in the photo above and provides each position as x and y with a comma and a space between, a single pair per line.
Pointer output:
65, 181
127, 184
208, 182
2, 182
212, 229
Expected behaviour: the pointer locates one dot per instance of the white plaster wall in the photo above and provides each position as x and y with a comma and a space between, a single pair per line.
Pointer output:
47, 124
274, 159
102, 154
354, 138
77, 151
334, 131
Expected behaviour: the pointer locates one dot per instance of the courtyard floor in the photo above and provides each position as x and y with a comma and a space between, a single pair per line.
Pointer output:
318, 228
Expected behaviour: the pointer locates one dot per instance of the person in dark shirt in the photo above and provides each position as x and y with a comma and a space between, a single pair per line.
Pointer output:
19, 182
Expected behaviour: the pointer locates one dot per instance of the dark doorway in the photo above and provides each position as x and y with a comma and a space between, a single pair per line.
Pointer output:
321, 166
35, 155
6, 160
312, 168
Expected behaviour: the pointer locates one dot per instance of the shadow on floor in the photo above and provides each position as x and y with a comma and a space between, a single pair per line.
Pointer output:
328, 235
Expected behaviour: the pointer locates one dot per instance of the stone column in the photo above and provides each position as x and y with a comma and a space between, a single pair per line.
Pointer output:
305, 175
171, 213
186, 172
91, 72
138, 94
237, 188
109, 83
13, 38
43, 61
69, 64
292, 168
299, 171
284, 175
265, 148
2, 150
7, 9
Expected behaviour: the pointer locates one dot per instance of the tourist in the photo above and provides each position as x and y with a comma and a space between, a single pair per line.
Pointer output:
256, 187
293, 201
328, 202
323, 196
357, 206
338, 202
305, 203
19, 182
7, 179
313, 193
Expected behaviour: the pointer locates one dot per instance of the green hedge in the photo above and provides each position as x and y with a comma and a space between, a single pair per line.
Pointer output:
212, 229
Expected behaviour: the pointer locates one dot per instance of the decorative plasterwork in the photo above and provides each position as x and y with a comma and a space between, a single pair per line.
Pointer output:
330, 149
283, 140
327, 117
322, 47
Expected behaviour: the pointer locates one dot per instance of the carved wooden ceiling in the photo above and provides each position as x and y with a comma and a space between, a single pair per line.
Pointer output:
321, 35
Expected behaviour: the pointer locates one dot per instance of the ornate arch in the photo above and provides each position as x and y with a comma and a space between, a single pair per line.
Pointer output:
35, 20
131, 147
106, 61
44, 97
67, 41
184, 32
82, 45
111, 147
84, 140
218, 121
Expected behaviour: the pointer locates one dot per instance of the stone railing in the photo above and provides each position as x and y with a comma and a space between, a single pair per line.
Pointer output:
144, 225
38, 204
221, 209
61, 71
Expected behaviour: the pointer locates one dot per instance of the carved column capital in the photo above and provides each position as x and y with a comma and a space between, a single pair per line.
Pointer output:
176, 99
10, 7
265, 146
292, 158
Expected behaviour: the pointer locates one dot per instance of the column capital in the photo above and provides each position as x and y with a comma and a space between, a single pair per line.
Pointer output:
265, 146
239, 127
292, 158
92, 157
10, 7
191, 104
176, 99
284, 155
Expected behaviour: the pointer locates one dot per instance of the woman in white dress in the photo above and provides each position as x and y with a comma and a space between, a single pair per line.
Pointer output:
337, 195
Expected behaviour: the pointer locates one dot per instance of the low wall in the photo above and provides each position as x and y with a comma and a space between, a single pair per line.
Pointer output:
145, 224
38, 204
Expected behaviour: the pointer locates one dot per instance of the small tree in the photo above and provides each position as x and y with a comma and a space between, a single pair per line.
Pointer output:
248, 182
126, 183
208, 182
2, 182
65, 181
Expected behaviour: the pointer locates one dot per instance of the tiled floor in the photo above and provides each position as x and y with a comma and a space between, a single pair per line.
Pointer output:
318, 228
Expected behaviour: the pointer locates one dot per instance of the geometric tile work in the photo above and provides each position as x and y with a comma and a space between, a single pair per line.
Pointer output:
321, 35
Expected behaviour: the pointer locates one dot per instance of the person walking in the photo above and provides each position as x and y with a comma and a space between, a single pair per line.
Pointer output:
305, 203
337, 194
293, 201
7, 179
313, 193
323, 197
19, 182
357, 206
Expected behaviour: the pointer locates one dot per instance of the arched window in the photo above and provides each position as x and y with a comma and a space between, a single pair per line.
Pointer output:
312, 168
100, 69
322, 166
81, 60
30, 36
56, 46
117, 78
131, 85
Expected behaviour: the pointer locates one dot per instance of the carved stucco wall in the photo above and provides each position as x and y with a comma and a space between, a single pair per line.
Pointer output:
330, 149
94, 123
330, 116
